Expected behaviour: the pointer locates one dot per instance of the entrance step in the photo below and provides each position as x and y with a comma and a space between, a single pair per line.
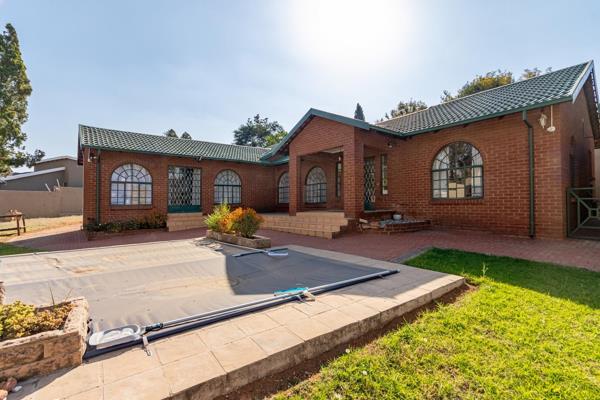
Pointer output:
311, 223
183, 221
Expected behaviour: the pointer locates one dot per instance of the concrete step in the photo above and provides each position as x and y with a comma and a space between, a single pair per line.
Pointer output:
184, 221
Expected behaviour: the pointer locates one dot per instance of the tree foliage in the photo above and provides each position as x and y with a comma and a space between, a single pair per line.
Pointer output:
258, 132
358, 113
186, 135
15, 88
171, 133
489, 80
405, 107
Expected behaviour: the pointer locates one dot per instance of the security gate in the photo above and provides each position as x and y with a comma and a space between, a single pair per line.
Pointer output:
369, 183
583, 214
184, 189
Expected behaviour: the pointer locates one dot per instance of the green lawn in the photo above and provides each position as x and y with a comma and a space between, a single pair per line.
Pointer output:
530, 331
7, 249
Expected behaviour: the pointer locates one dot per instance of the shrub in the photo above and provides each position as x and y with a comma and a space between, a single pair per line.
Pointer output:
152, 221
19, 319
219, 220
245, 221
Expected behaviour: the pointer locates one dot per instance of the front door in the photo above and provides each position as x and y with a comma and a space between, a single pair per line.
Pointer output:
369, 183
184, 189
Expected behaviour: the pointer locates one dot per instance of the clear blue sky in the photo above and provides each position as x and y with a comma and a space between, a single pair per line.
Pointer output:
205, 67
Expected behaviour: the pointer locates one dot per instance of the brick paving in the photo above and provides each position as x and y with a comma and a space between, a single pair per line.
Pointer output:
581, 253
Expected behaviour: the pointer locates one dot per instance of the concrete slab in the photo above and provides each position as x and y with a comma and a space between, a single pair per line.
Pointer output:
214, 360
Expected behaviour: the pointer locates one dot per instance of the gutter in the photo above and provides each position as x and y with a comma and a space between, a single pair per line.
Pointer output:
531, 177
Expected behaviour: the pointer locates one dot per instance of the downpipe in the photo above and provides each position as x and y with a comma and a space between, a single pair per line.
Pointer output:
531, 176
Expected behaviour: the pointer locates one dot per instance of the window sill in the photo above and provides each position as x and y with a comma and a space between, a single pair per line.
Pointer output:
476, 201
131, 207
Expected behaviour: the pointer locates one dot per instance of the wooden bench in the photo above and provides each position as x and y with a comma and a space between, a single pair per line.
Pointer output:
19, 218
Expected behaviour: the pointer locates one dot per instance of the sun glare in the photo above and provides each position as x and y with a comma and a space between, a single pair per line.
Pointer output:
360, 35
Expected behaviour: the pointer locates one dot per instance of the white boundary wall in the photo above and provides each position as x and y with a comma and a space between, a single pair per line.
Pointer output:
66, 201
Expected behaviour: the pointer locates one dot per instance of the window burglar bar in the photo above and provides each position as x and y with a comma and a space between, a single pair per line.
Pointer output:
230, 194
315, 193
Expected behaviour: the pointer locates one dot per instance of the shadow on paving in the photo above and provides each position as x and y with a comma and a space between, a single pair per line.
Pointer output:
570, 283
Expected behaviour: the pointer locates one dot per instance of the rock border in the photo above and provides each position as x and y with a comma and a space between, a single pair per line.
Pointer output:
46, 352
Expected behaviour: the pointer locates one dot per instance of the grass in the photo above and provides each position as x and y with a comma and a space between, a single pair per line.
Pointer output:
33, 225
530, 331
7, 250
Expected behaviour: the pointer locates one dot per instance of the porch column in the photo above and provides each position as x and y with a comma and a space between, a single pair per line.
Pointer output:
353, 178
294, 172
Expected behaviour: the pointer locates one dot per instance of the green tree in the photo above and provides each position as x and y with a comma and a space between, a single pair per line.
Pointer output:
15, 88
258, 132
532, 73
480, 82
405, 107
171, 133
358, 113
274, 138
186, 135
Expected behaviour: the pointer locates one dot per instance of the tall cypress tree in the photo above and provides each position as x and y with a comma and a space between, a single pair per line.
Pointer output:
15, 88
358, 113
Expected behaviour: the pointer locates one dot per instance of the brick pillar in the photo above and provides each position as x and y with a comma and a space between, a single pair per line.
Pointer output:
294, 172
353, 170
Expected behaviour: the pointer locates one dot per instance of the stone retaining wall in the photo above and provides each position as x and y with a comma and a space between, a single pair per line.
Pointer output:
49, 351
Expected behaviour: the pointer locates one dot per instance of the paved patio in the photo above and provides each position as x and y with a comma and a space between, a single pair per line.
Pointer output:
581, 253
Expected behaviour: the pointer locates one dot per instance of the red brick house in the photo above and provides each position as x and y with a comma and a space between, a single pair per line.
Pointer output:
499, 160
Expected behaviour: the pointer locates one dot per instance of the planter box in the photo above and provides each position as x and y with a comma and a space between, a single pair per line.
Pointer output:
99, 235
49, 351
257, 242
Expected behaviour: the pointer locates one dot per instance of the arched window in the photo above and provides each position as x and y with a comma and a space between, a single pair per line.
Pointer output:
130, 184
457, 172
316, 186
228, 188
283, 189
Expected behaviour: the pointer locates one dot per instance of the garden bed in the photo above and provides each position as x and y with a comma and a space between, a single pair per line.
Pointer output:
256, 242
46, 352
100, 235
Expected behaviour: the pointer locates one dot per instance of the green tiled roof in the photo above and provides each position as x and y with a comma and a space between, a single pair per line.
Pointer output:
109, 139
550, 88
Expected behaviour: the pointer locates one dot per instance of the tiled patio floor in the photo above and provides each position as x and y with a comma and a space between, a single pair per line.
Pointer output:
581, 253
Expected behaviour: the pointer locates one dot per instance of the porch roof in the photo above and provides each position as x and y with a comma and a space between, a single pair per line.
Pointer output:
110, 139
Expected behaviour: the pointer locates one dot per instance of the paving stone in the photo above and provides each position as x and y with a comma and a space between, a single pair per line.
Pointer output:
69, 383
334, 319
284, 314
255, 323
311, 308
220, 334
276, 340
191, 371
335, 300
307, 328
238, 354
148, 385
94, 394
178, 347
128, 363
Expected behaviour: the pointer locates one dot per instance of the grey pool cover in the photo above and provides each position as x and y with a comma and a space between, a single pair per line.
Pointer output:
174, 288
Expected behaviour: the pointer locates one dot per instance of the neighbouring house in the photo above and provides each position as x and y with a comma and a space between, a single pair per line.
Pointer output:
500, 160
56, 171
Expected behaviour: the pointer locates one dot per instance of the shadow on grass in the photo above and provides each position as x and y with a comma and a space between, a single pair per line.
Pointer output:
575, 284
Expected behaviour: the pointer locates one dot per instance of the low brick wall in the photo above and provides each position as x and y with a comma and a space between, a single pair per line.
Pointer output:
257, 242
49, 351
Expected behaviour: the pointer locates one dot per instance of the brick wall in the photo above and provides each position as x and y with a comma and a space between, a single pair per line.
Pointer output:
258, 184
